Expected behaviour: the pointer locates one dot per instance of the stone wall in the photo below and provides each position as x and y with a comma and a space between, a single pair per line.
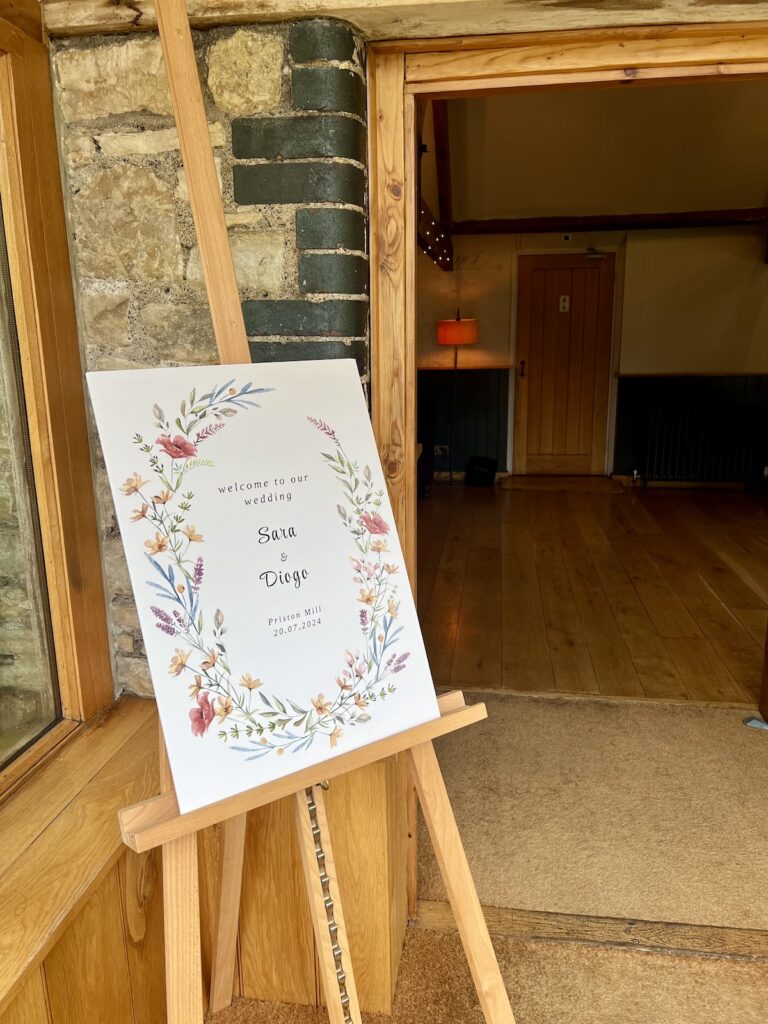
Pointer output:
286, 113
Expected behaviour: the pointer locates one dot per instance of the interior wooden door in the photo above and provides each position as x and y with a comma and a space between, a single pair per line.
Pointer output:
563, 348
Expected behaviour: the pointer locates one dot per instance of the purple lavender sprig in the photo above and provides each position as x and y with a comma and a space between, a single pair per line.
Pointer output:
323, 427
197, 574
165, 623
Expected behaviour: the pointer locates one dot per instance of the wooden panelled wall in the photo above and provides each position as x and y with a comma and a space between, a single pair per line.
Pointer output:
108, 966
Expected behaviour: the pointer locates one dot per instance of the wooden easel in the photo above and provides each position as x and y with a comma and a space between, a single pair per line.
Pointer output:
157, 822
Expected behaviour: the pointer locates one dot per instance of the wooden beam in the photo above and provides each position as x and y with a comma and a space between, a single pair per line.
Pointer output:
606, 931
453, 20
25, 15
612, 222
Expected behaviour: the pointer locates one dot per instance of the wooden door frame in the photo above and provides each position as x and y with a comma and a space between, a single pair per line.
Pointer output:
520, 400
401, 72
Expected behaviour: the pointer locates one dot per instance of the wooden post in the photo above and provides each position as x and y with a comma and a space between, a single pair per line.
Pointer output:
202, 181
459, 884
181, 907
231, 852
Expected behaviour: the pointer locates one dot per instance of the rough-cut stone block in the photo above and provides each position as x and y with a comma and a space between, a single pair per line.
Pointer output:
115, 568
104, 319
298, 183
333, 273
133, 676
178, 334
331, 88
324, 135
125, 226
319, 39
146, 143
126, 77
79, 149
245, 72
285, 351
259, 258
330, 229
123, 615
337, 318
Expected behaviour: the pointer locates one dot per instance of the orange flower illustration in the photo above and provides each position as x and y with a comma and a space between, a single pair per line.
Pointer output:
379, 545
210, 661
391, 569
392, 608
249, 682
360, 701
162, 498
196, 687
321, 705
160, 543
336, 735
139, 513
179, 662
133, 484
191, 533
367, 597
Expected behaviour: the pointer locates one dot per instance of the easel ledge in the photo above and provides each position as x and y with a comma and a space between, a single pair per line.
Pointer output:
154, 822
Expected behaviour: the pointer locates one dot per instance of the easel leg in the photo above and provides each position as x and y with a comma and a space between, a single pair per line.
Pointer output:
325, 907
181, 904
461, 888
231, 850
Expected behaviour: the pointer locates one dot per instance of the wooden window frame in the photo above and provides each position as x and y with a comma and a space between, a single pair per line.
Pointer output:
402, 72
41, 282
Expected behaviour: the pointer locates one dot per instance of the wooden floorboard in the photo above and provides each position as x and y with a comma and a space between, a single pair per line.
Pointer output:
589, 587
606, 931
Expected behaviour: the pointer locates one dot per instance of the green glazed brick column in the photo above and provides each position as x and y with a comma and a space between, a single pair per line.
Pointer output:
311, 157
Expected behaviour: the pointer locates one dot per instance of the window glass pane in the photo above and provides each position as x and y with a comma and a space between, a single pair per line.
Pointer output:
28, 690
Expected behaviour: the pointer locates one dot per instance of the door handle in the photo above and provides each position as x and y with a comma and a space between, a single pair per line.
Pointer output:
522, 367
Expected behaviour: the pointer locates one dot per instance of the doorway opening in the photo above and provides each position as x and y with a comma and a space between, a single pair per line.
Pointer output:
610, 245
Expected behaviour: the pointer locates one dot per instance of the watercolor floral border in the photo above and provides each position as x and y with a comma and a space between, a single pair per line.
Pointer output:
245, 711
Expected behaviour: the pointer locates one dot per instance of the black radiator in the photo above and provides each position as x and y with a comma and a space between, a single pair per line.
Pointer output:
697, 429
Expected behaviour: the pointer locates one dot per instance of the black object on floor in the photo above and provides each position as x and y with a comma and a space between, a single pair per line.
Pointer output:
480, 471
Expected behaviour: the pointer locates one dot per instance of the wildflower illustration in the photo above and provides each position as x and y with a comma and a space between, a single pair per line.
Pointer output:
243, 709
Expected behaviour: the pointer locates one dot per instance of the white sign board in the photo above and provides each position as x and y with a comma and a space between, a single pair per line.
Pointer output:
270, 583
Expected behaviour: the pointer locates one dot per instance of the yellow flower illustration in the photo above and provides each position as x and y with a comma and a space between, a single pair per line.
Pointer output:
392, 608
361, 701
391, 569
224, 707
336, 735
196, 687
378, 545
321, 705
139, 513
249, 682
367, 597
210, 661
179, 662
133, 484
343, 683
162, 498
160, 543
191, 533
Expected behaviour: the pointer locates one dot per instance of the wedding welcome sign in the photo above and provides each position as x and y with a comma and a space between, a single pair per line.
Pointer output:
270, 584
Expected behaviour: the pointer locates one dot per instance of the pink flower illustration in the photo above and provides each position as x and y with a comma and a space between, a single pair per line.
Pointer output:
178, 448
374, 523
201, 716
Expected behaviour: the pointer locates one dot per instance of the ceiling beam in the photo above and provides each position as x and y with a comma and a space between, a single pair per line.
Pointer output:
611, 222
401, 19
